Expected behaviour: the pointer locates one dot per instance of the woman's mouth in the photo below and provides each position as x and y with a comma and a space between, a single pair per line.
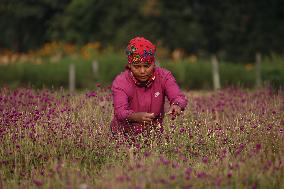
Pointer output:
143, 77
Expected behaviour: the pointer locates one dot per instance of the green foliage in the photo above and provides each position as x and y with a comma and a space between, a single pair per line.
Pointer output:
237, 29
24, 24
191, 75
110, 65
188, 75
273, 75
237, 75
38, 76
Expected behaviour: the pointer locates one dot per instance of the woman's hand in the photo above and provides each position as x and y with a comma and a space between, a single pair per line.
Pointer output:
174, 111
142, 117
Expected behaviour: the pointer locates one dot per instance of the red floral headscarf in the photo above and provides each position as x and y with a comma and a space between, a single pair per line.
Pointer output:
140, 50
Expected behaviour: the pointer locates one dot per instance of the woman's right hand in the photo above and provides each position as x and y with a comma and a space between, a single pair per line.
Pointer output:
142, 117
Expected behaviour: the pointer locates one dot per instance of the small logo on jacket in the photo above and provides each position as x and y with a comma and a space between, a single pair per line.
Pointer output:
157, 94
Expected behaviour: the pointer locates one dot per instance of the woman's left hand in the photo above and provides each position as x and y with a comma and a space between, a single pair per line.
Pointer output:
174, 110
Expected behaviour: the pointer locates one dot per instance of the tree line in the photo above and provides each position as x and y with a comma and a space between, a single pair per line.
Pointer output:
234, 29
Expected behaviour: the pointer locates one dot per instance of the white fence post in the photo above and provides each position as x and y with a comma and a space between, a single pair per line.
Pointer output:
72, 77
258, 69
95, 68
215, 73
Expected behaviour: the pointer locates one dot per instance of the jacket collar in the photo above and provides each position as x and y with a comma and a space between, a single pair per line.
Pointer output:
146, 84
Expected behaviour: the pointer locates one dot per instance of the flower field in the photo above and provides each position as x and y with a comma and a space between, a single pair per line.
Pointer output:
231, 138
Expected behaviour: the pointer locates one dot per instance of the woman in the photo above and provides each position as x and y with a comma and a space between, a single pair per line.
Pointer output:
139, 92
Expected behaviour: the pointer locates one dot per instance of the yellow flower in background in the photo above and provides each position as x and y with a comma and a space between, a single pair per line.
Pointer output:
85, 54
9, 57
88, 49
5, 57
49, 49
178, 54
69, 49
249, 67
24, 58
52, 51
192, 59
37, 60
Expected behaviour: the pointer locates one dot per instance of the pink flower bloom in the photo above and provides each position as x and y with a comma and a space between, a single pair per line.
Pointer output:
205, 159
147, 154
37, 182
172, 177
229, 174
188, 171
254, 186
91, 94
164, 160
201, 175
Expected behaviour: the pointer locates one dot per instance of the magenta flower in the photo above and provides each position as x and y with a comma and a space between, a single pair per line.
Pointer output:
229, 174
147, 154
258, 147
38, 182
172, 177
181, 130
91, 94
218, 181
201, 174
175, 165
188, 171
123, 178
269, 127
240, 149
254, 186
187, 177
205, 159
164, 160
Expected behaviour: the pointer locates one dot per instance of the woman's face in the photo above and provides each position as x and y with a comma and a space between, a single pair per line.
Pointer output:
142, 71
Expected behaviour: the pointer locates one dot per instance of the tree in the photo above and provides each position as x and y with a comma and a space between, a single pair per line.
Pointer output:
24, 23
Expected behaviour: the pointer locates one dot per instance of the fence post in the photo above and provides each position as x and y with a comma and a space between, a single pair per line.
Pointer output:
95, 68
215, 72
72, 77
258, 69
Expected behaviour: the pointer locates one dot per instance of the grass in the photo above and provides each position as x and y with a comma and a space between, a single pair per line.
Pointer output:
190, 75
231, 138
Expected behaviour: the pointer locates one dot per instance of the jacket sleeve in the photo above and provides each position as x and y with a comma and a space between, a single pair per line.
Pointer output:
173, 91
120, 102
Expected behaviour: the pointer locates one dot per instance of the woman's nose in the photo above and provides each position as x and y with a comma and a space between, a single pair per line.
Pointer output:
142, 70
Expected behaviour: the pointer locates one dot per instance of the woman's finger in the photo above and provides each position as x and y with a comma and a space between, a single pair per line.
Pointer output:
147, 119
